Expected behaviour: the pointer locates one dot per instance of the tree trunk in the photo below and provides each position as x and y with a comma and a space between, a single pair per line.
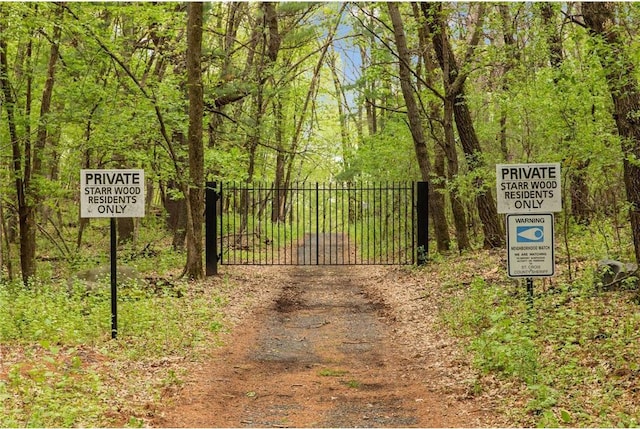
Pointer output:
446, 158
176, 215
176, 206
10, 104
195, 193
27, 161
279, 194
487, 210
343, 106
416, 126
578, 188
457, 206
513, 56
413, 113
620, 73
491, 226
554, 40
126, 229
579, 193
4, 242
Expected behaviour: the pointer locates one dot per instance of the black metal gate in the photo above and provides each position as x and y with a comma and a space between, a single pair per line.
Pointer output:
316, 224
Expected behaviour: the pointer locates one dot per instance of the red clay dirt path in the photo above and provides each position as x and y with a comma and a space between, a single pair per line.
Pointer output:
323, 350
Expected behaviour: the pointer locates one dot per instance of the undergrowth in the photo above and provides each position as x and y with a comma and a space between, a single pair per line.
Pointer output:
59, 366
575, 350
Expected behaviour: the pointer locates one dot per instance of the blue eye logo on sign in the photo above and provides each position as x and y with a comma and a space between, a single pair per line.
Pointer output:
529, 234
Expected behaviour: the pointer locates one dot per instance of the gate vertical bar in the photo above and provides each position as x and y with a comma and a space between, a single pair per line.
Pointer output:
211, 230
252, 201
317, 225
275, 196
304, 225
394, 192
235, 212
422, 220
330, 201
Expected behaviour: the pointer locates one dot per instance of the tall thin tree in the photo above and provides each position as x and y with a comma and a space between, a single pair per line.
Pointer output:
456, 77
620, 70
416, 125
194, 266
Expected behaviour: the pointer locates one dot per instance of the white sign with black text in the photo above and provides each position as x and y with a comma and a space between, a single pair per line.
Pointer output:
111, 193
528, 188
530, 245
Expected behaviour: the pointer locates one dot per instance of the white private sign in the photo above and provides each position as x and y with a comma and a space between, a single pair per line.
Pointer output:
530, 245
111, 193
528, 188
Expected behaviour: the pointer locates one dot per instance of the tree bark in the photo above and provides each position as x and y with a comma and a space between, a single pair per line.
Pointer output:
195, 193
512, 57
27, 265
487, 210
625, 92
441, 125
279, 194
457, 205
416, 126
413, 113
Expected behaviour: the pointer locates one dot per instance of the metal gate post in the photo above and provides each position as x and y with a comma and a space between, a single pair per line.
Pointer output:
211, 229
422, 220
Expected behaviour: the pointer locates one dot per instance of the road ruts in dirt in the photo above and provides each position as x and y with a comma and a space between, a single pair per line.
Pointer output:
322, 354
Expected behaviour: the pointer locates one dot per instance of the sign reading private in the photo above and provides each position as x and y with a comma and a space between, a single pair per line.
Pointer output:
528, 188
111, 193
530, 244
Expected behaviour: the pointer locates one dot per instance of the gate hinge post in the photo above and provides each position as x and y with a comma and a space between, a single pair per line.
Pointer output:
211, 229
422, 223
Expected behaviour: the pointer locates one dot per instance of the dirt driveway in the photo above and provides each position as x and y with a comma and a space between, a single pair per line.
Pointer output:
324, 348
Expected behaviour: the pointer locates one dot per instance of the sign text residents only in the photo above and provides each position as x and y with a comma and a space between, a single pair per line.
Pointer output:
528, 188
111, 193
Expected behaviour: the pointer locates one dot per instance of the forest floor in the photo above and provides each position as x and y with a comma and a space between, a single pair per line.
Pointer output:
331, 346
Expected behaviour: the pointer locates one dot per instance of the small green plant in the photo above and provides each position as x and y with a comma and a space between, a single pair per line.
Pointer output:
135, 422
172, 379
327, 372
353, 384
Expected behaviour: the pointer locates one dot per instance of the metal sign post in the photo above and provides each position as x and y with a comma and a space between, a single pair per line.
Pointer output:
114, 280
112, 194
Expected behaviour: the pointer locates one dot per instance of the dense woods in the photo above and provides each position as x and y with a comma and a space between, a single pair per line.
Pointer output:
292, 92
284, 92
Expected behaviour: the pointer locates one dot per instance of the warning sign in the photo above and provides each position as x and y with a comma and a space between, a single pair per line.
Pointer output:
528, 188
530, 245
111, 193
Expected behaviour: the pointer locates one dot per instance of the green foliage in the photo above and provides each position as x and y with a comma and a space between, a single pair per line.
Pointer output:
575, 350
501, 337
388, 155
54, 336
120, 100
48, 393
